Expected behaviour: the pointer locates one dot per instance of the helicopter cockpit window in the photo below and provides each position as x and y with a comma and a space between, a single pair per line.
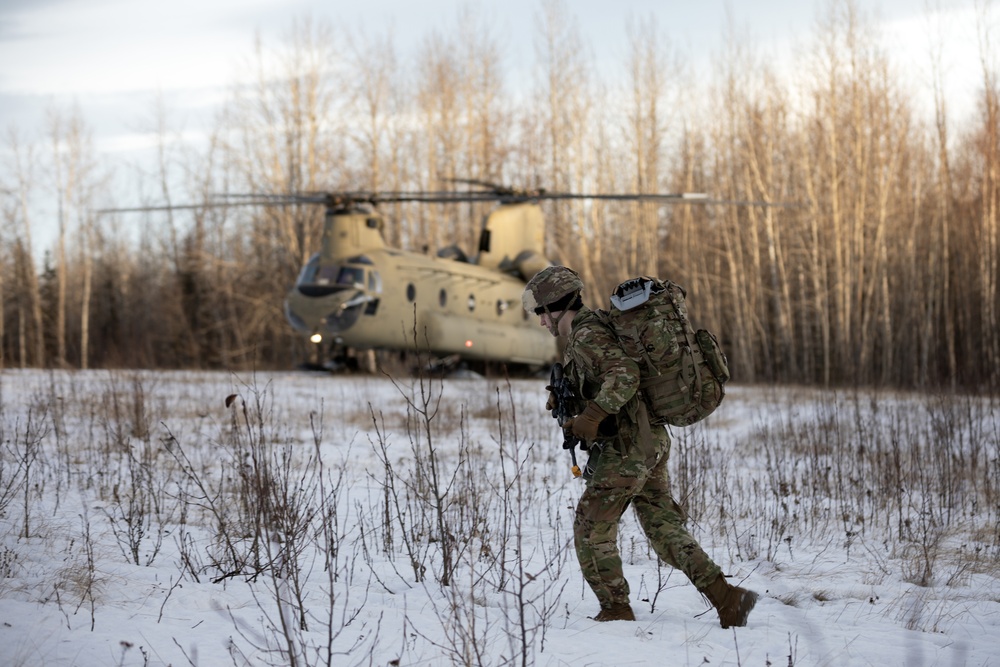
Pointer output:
326, 275
308, 273
319, 279
411, 293
443, 298
319, 274
351, 275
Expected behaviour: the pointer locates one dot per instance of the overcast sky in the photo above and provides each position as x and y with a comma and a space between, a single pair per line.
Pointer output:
56, 46
113, 57
96, 51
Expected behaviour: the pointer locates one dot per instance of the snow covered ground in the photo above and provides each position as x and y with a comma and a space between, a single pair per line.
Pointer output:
318, 520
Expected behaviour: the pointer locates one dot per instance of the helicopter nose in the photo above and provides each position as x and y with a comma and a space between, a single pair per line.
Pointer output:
329, 313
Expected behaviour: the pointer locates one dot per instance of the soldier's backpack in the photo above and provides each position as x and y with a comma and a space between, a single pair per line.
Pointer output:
682, 371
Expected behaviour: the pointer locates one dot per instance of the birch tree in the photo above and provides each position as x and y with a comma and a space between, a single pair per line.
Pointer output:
565, 99
645, 135
30, 321
988, 232
76, 180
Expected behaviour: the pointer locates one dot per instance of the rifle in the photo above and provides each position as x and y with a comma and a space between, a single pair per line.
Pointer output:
559, 386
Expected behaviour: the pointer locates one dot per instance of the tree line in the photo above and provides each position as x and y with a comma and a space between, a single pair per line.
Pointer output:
860, 245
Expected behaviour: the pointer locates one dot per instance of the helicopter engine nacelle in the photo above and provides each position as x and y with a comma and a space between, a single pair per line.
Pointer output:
348, 233
512, 232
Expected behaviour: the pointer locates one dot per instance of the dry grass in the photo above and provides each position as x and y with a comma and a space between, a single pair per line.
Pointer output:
909, 484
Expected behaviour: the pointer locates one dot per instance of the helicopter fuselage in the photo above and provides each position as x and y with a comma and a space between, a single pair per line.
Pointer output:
363, 295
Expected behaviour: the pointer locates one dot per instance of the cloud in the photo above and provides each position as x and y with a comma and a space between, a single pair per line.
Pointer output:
12, 13
56, 47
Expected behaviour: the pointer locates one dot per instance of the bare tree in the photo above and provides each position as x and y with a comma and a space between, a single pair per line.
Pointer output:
988, 234
565, 100
940, 241
76, 179
734, 280
645, 135
29, 300
375, 102
282, 134
463, 131
7, 215
888, 272
61, 187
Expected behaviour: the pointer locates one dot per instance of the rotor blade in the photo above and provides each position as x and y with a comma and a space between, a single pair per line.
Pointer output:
346, 199
762, 204
668, 198
276, 199
638, 196
171, 207
499, 194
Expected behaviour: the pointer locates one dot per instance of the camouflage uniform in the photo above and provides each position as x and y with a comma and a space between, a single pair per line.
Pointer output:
628, 458
627, 464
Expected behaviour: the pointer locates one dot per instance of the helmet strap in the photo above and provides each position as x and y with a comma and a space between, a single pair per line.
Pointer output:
553, 325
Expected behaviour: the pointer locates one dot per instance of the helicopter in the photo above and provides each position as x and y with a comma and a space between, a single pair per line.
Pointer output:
356, 295
359, 294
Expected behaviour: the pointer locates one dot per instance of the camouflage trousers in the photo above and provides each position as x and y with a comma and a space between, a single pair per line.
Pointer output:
615, 482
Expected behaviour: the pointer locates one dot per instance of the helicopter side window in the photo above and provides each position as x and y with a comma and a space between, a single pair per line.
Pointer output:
501, 307
472, 302
443, 297
411, 293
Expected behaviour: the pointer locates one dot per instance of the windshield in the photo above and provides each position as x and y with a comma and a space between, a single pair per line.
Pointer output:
319, 279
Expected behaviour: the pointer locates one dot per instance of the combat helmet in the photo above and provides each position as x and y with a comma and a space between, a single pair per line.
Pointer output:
552, 289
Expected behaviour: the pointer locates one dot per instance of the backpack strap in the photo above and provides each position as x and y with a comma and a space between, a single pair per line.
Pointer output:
633, 333
647, 445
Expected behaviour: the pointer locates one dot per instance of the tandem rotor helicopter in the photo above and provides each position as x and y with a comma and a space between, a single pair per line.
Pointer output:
357, 295
361, 294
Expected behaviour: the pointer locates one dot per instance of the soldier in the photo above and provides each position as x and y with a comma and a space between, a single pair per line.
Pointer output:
627, 461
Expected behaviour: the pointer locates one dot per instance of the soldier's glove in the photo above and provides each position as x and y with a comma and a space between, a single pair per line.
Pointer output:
585, 424
553, 401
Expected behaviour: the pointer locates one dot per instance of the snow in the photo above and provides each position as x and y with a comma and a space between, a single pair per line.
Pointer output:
868, 521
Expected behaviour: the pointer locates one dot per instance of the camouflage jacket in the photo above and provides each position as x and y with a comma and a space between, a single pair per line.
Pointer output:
597, 366
601, 371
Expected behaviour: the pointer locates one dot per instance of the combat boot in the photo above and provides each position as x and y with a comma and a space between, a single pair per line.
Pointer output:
732, 602
620, 611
